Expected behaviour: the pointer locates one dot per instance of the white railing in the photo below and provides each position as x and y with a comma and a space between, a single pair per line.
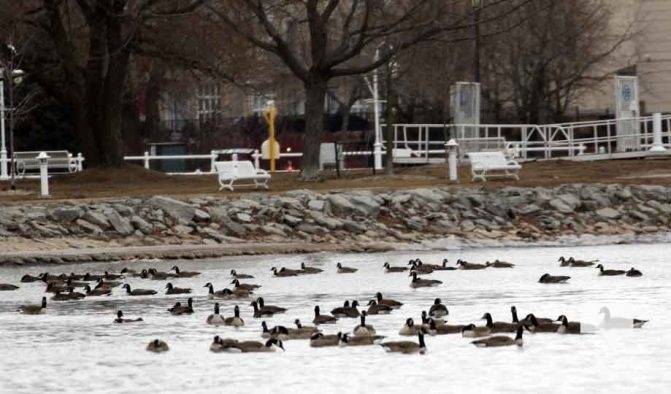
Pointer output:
419, 143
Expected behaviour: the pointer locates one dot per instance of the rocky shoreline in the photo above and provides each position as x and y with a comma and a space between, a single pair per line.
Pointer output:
307, 221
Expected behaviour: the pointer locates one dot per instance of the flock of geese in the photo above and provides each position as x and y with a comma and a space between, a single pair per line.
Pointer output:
64, 286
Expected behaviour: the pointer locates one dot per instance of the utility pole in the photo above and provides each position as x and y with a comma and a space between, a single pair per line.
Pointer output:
476, 25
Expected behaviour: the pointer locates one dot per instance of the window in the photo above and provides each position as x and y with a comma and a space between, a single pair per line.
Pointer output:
209, 102
259, 102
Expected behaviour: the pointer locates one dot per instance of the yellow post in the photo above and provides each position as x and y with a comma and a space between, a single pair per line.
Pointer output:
269, 116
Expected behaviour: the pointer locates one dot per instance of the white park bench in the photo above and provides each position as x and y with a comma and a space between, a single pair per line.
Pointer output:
58, 160
489, 164
229, 172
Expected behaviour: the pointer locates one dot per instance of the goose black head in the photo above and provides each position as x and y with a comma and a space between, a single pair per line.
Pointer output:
437, 301
339, 265
119, 314
176, 268
316, 309
297, 323
317, 335
468, 327
124, 270
168, 286
276, 342
409, 322
208, 284
44, 302
346, 304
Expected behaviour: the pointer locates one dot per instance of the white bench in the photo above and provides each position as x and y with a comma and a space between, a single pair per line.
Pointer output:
484, 164
232, 171
58, 160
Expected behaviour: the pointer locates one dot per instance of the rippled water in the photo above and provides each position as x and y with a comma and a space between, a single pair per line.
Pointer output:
74, 347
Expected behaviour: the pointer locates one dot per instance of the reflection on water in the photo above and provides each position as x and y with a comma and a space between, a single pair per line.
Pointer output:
75, 347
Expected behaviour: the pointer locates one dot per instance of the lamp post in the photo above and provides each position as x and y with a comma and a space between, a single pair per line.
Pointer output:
476, 58
6, 112
3, 147
377, 145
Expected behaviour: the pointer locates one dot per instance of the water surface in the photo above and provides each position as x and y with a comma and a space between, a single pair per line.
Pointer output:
74, 347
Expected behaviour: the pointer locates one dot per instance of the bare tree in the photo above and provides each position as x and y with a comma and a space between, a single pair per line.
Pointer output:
321, 40
79, 52
552, 53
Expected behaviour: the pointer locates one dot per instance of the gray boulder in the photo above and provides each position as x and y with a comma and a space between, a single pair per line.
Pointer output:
66, 214
174, 208
608, 213
97, 218
119, 223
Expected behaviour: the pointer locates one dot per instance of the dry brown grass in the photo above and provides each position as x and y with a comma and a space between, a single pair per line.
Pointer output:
136, 181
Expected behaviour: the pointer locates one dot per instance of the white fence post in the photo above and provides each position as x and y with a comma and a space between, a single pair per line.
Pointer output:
43, 159
80, 162
213, 159
657, 146
256, 158
146, 160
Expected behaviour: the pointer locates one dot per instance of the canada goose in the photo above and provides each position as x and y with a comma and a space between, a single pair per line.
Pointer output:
33, 309
563, 262
220, 345
129, 271
363, 329
241, 276
183, 274
320, 340
534, 325
438, 309
170, 289
376, 309
91, 277
138, 292
56, 288
346, 340
310, 270
609, 322
279, 332
387, 301
109, 276
443, 329
107, 283
97, 292
75, 295
547, 278
283, 273
29, 278
501, 340
496, 327
215, 319
225, 293
473, 331
120, 319
244, 286
323, 319
160, 275
499, 264
420, 267
74, 276
345, 270
179, 309
416, 282
443, 266
409, 328
573, 327
464, 265
580, 263
157, 346
347, 311
305, 329
235, 320
540, 320
7, 287
634, 272
270, 345
426, 320
389, 269
272, 308
261, 312
406, 347
72, 283
603, 272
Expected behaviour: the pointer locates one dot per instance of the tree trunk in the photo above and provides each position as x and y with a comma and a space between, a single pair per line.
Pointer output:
315, 93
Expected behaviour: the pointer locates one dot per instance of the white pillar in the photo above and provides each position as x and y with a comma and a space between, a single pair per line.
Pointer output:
80, 162
43, 159
451, 147
3, 148
146, 160
256, 158
213, 159
377, 146
657, 146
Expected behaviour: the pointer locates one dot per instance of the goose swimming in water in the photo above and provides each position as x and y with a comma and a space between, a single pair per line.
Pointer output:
417, 282
634, 272
389, 269
33, 309
547, 278
157, 346
464, 265
473, 331
438, 309
236, 275
235, 320
346, 340
184, 274
604, 272
216, 319
406, 347
310, 270
376, 309
170, 289
323, 319
363, 329
573, 327
609, 322
501, 340
345, 270
120, 318
321, 340
7, 287
347, 311
499, 264
138, 292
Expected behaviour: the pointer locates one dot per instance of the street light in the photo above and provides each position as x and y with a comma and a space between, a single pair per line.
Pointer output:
476, 60
10, 77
